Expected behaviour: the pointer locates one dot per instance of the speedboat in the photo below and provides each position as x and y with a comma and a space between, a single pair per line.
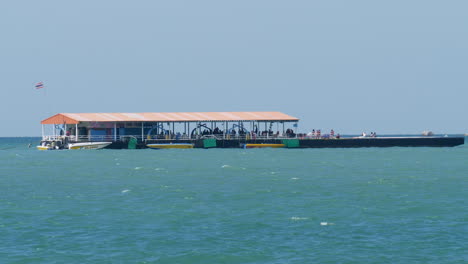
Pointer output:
170, 146
49, 145
88, 145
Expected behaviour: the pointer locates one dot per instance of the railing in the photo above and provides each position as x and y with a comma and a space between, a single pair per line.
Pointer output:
218, 137
106, 138
109, 138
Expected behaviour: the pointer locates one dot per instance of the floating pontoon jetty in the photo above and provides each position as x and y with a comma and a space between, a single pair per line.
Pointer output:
207, 130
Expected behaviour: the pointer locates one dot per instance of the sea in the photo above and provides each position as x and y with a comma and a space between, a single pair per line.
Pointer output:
356, 205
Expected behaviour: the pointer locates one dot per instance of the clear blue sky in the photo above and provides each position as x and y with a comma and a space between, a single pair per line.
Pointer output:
354, 66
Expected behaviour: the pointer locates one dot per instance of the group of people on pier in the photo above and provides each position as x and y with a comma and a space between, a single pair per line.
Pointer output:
229, 134
372, 134
317, 134
241, 133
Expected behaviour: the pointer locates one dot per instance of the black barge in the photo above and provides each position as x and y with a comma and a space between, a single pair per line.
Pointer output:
442, 141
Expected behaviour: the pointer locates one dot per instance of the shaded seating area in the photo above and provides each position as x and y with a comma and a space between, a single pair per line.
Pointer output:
168, 126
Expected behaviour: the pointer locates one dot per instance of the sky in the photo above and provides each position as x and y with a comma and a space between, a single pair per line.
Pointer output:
392, 67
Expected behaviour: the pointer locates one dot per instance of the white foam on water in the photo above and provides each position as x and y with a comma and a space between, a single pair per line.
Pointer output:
326, 223
138, 168
125, 191
226, 166
294, 178
297, 218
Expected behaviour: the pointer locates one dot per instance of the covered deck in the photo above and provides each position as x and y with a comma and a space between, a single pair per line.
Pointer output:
147, 127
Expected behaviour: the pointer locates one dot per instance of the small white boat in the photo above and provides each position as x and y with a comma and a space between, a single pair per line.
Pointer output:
170, 146
49, 145
88, 145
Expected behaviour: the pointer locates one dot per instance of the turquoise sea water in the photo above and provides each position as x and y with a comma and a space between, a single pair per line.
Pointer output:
369, 205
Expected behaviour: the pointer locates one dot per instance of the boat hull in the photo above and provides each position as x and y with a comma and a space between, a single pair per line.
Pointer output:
89, 145
170, 146
265, 145
44, 148
383, 142
346, 142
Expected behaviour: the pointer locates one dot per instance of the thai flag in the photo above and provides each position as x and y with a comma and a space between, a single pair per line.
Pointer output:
39, 85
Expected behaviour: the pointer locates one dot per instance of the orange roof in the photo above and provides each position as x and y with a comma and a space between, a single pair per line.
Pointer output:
67, 118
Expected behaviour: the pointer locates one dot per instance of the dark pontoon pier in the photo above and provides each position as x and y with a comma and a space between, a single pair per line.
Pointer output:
208, 130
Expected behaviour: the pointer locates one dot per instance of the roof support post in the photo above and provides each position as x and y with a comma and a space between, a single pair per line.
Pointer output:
115, 131
142, 131
76, 132
296, 126
224, 130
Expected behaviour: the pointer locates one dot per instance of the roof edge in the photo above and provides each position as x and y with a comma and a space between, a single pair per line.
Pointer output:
59, 119
76, 118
